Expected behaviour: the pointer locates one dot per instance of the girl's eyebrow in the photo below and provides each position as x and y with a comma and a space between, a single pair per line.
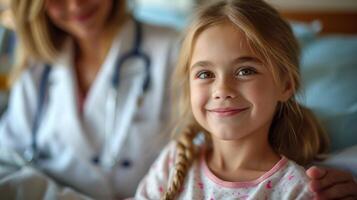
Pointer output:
244, 59
235, 61
201, 64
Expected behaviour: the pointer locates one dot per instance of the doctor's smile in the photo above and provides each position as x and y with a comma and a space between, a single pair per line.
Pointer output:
83, 17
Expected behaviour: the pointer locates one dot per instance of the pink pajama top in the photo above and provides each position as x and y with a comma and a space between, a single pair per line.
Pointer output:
286, 180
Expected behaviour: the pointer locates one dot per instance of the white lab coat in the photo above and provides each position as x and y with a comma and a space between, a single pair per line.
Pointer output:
73, 140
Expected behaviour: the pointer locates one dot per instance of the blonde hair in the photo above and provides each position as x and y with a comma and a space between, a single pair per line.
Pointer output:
271, 39
38, 38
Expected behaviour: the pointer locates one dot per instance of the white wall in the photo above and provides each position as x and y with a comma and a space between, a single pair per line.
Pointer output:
320, 5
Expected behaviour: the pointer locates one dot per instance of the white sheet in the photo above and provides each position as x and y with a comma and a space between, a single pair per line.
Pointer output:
345, 160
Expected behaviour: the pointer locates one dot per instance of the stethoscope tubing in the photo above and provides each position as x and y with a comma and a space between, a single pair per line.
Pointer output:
134, 53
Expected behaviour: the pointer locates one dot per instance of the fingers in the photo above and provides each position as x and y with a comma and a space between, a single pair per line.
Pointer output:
331, 183
346, 190
315, 173
322, 178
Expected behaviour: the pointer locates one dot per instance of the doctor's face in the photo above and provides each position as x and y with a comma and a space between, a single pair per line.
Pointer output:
233, 94
79, 18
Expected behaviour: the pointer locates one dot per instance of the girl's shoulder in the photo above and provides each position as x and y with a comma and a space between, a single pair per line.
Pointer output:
295, 169
168, 155
292, 182
166, 160
160, 174
156, 180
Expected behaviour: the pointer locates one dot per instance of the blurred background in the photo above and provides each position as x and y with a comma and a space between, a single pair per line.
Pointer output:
326, 30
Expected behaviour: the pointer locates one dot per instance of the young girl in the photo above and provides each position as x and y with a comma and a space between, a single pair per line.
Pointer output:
235, 83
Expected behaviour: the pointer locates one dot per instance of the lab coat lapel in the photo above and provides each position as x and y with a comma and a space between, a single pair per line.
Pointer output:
65, 104
97, 98
95, 102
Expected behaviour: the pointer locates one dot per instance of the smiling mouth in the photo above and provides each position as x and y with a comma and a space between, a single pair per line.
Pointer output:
84, 17
226, 112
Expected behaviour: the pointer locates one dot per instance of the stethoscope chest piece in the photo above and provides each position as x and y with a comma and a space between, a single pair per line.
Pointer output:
31, 156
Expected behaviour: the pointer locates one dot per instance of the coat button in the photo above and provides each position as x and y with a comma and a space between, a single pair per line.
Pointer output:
95, 159
126, 163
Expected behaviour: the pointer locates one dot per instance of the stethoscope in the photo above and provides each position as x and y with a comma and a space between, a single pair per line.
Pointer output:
33, 153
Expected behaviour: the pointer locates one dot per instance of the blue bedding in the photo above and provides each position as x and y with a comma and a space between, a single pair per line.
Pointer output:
329, 78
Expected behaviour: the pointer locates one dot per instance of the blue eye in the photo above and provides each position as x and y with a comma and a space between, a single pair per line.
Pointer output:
246, 72
205, 75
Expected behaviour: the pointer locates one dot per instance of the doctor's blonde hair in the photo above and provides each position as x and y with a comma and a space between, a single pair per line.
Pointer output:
271, 39
38, 38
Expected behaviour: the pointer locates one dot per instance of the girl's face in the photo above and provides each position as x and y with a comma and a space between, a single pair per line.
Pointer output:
233, 94
80, 18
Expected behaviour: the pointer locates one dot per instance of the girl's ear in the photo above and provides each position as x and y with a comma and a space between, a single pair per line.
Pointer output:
286, 90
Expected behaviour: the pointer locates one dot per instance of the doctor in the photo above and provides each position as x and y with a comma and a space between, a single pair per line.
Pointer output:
89, 101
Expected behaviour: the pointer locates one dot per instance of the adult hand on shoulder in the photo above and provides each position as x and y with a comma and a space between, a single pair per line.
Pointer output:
328, 183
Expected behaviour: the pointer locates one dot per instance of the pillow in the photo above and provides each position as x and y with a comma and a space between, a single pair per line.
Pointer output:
306, 32
329, 81
344, 160
172, 13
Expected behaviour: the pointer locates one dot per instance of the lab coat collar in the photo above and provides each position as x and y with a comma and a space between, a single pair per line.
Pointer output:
94, 106
64, 100
121, 43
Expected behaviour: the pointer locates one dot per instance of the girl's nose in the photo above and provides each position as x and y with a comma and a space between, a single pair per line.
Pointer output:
74, 5
224, 89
